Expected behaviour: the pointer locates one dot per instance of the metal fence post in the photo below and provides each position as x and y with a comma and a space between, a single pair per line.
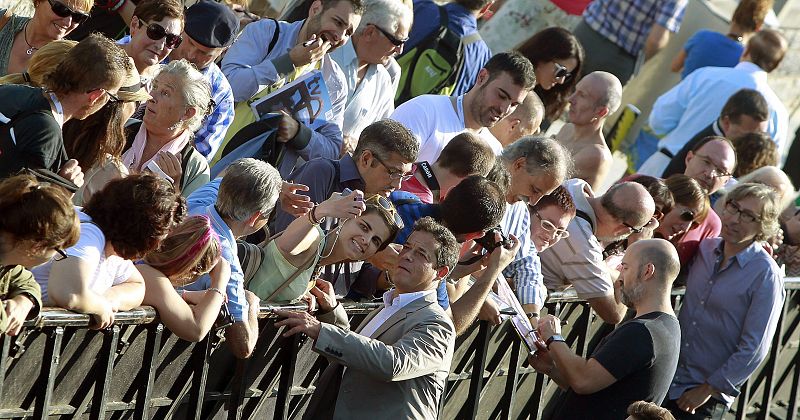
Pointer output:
148, 372
50, 361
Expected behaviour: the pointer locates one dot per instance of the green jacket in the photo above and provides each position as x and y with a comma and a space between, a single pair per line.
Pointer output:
14, 281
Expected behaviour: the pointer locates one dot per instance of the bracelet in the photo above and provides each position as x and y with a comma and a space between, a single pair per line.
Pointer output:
214, 289
532, 314
312, 216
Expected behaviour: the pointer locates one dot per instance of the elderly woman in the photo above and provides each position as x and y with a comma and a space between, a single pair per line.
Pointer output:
38, 222
22, 36
162, 142
123, 222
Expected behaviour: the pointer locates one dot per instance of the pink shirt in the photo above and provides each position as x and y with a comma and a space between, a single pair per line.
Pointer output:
688, 244
132, 158
418, 188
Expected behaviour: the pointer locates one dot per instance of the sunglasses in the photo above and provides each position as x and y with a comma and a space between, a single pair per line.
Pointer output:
62, 10
687, 216
387, 205
561, 71
394, 40
61, 255
157, 32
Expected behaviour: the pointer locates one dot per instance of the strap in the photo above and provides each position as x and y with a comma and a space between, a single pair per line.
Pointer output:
430, 179
444, 18
275, 36
4, 19
582, 214
470, 39
291, 278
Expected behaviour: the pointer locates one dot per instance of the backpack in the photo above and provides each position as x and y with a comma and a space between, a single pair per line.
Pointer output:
256, 140
433, 65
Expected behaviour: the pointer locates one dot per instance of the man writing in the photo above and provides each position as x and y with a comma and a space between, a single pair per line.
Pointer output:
636, 360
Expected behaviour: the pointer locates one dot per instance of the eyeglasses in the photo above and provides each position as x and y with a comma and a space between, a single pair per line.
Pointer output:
156, 32
549, 226
112, 97
394, 40
61, 255
387, 205
716, 172
393, 173
733, 208
561, 71
62, 10
635, 229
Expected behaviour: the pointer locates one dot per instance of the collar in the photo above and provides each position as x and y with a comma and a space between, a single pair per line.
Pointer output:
744, 256
402, 299
219, 225
715, 127
347, 52
348, 171
754, 70
59, 112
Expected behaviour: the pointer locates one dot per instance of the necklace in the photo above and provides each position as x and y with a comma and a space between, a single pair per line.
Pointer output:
735, 37
31, 48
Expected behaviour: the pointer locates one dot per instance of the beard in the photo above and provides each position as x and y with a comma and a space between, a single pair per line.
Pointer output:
633, 295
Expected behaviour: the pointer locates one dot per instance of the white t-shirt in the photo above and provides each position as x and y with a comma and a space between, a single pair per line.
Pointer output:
90, 248
434, 121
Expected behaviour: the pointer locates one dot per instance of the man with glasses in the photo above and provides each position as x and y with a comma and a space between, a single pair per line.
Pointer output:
89, 76
734, 298
577, 260
370, 88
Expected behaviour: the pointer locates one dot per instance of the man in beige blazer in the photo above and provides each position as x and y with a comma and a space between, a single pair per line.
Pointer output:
396, 365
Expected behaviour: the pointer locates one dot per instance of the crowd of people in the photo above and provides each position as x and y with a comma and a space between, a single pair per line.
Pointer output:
136, 168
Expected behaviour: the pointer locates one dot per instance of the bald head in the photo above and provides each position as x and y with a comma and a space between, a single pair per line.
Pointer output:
524, 121
711, 163
606, 88
766, 49
661, 254
629, 202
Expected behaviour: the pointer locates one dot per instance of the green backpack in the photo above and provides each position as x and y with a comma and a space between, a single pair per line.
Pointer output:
433, 65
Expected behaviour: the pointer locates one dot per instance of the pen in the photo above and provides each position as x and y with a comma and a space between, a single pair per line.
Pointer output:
309, 42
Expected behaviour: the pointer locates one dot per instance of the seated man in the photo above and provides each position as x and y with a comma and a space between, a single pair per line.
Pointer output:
636, 360
381, 161
270, 53
463, 156
400, 356
88, 77
596, 96
237, 204
578, 259
502, 84
524, 121
380, 36
734, 298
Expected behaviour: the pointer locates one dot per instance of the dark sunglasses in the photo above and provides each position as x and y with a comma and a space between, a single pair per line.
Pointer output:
387, 205
156, 32
62, 10
687, 216
394, 40
61, 255
561, 71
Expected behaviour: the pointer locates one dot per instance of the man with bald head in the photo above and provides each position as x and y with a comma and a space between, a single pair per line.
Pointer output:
524, 121
634, 362
578, 261
596, 96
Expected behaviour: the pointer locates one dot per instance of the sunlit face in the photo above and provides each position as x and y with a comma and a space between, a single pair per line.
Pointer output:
583, 102
415, 270
745, 124
361, 237
195, 53
148, 52
376, 47
100, 101
35, 256
677, 222
741, 220
525, 186
383, 175
548, 225
335, 25
496, 98
550, 74
52, 25
711, 166
630, 274
167, 105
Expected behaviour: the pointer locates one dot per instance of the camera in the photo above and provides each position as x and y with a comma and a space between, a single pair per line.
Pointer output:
489, 243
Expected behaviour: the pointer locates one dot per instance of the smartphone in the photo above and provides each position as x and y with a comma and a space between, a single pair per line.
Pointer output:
347, 191
154, 168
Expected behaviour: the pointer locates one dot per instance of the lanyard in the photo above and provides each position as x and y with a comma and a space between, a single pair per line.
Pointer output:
460, 110
430, 179
59, 109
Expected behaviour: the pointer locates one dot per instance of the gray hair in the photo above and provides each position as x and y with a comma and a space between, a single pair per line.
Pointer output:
543, 155
777, 179
385, 14
770, 206
195, 89
248, 186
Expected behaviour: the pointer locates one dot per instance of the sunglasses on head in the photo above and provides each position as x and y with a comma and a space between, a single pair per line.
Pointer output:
387, 205
62, 10
561, 71
156, 32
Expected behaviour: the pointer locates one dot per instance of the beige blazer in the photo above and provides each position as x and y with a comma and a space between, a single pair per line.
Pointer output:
399, 373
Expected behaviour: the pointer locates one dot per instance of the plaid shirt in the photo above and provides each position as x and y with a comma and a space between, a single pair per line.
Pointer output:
628, 22
208, 137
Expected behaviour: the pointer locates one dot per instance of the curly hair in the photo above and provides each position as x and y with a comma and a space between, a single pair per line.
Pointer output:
547, 45
753, 151
559, 198
136, 213
770, 206
447, 254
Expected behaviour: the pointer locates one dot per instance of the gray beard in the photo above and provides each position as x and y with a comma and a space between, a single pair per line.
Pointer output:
631, 297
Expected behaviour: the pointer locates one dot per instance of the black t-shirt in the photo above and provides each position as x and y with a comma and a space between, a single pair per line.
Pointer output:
642, 354
35, 140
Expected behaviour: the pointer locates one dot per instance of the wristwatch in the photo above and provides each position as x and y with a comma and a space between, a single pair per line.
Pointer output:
552, 339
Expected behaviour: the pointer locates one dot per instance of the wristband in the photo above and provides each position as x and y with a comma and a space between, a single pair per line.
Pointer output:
214, 289
553, 339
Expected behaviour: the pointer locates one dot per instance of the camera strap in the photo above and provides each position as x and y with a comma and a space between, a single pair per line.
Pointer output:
430, 179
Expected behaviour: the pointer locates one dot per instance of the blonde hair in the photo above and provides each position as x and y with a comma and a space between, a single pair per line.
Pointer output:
42, 63
190, 250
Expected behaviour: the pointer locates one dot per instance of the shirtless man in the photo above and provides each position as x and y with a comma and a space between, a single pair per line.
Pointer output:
596, 97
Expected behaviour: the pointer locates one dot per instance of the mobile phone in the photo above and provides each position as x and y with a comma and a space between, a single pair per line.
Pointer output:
347, 191
154, 168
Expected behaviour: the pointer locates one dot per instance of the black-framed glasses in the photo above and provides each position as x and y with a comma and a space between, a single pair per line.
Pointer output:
387, 205
561, 71
634, 229
156, 32
393, 173
61, 255
549, 226
112, 97
393, 39
62, 10
716, 172
734, 209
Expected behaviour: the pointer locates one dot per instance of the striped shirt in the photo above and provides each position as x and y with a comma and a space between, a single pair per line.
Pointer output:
208, 137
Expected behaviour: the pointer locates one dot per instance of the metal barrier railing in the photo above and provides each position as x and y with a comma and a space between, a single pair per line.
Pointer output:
138, 369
